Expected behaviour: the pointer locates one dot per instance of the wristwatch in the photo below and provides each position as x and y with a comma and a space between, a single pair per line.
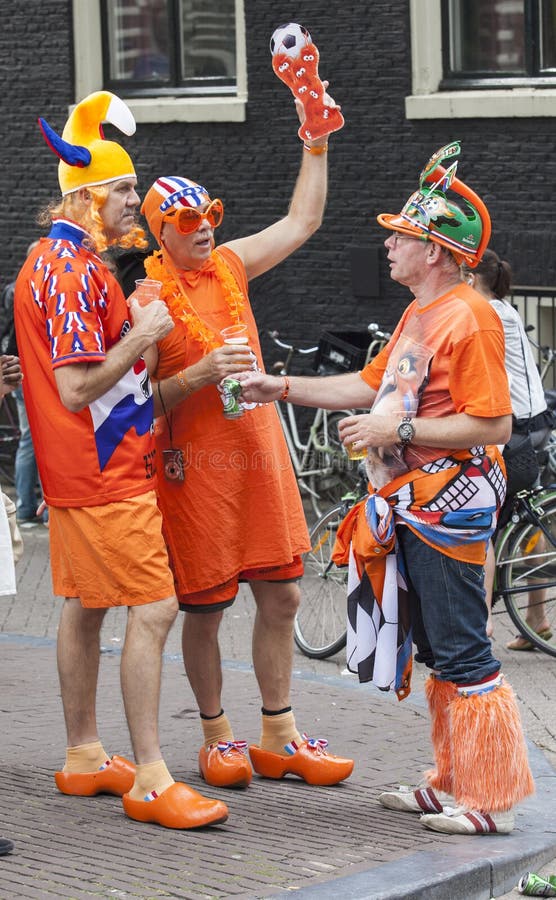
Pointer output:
406, 431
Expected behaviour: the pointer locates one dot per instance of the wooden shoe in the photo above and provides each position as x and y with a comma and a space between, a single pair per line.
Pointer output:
225, 764
308, 761
179, 806
115, 777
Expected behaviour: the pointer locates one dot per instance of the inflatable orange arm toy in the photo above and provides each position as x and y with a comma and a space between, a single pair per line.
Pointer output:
295, 60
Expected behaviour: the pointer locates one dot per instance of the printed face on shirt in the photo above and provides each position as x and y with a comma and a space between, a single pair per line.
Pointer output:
118, 212
406, 256
189, 251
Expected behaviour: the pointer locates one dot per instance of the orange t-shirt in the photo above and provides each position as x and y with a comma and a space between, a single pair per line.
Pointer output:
70, 310
239, 505
442, 359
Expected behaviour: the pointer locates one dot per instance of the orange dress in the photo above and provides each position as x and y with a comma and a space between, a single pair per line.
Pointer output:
238, 507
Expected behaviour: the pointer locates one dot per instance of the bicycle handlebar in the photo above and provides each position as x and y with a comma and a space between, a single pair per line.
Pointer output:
274, 336
373, 329
548, 353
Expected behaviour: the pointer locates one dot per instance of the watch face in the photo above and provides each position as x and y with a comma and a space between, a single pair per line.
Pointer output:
405, 432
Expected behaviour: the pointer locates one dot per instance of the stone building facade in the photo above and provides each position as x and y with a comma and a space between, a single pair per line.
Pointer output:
340, 278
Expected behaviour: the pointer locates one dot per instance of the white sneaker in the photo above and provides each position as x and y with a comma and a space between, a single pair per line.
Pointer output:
468, 821
417, 800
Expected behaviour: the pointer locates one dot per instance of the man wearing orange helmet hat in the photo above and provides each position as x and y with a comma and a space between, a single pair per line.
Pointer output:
236, 516
90, 408
439, 404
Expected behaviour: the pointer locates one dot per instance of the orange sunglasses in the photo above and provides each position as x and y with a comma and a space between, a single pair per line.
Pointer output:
187, 219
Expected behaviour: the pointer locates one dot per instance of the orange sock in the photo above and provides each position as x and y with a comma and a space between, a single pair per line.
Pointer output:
151, 779
85, 757
217, 729
279, 730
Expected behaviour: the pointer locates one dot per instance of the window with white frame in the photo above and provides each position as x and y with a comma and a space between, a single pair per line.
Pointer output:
171, 60
500, 42
474, 58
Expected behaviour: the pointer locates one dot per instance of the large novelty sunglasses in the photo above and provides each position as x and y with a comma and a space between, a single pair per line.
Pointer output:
187, 219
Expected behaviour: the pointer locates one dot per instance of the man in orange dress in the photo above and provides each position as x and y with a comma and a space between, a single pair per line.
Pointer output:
90, 408
236, 514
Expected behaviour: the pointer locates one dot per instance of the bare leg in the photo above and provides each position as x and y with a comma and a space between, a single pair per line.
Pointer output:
140, 673
490, 566
78, 655
201, 657
535, 615
277, 604
536, 611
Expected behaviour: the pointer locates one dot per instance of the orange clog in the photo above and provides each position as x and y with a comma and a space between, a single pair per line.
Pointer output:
179, 806
116, 778
309, 761
225, 764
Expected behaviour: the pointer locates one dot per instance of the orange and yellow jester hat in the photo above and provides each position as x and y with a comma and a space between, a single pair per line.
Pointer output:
86, 157
431, 215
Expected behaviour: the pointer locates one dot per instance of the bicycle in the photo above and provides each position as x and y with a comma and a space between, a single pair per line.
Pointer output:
525, 555
526, 563
547, 459
322, 467
320, 623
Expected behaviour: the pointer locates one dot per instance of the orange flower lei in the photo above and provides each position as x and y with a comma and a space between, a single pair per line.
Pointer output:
181, 308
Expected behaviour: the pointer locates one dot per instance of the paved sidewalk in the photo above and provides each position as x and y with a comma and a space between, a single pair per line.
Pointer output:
281, 837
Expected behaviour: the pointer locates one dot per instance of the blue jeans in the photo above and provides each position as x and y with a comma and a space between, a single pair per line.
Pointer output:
26, 473
448, 612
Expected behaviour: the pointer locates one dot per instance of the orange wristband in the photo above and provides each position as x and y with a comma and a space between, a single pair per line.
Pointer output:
286, 390
182, 381
316, 151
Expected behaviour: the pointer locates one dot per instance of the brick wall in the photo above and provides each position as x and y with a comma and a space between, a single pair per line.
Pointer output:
374, 161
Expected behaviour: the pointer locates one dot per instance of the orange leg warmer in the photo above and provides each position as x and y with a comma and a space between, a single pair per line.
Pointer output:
439, 694
490, 767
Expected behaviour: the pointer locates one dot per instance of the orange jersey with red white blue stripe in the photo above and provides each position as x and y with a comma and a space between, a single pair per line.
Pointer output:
70, 310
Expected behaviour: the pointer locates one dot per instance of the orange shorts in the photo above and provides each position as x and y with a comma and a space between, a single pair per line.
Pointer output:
222, 595
112, 555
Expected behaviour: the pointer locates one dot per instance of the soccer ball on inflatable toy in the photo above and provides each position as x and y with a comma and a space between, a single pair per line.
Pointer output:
289, 39
295, 60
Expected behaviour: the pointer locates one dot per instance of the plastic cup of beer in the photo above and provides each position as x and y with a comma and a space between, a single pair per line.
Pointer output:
238, 336
235, 334
354, 452
146, 290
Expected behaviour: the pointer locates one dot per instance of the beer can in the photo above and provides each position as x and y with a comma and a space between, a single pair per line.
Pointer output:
231, 389
534, 886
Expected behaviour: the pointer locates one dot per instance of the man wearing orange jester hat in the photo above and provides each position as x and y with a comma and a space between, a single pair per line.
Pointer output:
416, 545
90, 407
236, 516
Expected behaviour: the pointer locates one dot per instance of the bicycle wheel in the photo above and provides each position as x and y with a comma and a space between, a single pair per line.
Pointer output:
320, 624
526, 568
342, 475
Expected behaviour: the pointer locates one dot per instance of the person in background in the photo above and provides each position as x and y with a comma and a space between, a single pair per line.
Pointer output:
492, 278
416, 546
90, 407
25, 469
230, 502
10, 380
